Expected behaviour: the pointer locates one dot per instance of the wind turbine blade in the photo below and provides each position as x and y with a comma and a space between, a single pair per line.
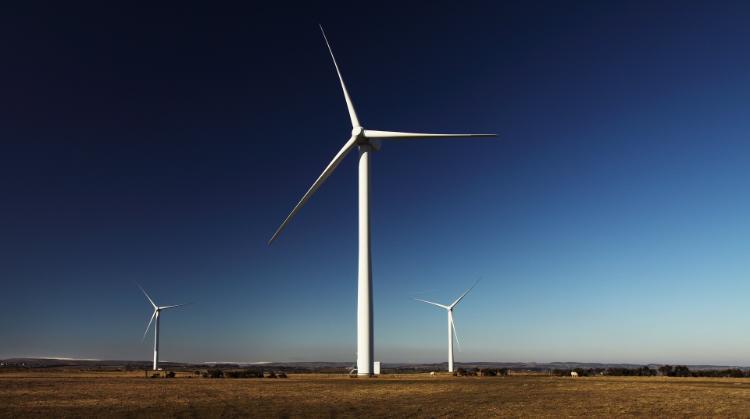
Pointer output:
455, 333
149, 326
349, 104
394, 135
464, 294
174, 306
322, 178
146, 294
430, 302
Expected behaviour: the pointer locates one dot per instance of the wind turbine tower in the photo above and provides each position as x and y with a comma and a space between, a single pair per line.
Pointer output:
155, 316
366, 141
451, 324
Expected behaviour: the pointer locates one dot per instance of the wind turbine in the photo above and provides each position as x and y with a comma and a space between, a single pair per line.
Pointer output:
155, 315
451, 325
366, 141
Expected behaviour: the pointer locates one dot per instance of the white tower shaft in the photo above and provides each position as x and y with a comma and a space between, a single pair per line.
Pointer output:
368, 141
364, 289
156, 342
450, 340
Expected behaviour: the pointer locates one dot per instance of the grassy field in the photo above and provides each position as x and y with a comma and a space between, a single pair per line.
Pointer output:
68, 394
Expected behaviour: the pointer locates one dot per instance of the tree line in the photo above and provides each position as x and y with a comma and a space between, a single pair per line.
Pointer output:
645, 371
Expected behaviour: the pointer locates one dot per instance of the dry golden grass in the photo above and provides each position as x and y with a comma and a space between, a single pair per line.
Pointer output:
65, 394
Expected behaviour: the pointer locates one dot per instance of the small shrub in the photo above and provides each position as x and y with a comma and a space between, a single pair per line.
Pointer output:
170, 374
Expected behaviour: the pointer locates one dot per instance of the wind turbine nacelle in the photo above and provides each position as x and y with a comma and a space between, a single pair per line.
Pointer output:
359, 134
374, 143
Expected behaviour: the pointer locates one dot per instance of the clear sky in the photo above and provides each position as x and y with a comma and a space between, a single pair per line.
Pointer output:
608, 221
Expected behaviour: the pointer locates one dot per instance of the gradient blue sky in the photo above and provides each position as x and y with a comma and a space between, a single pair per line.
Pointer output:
609, 221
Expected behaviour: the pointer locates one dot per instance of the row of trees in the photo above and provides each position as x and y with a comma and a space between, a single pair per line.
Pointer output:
676, 371
589, 372
664, 370
245, 373
482, 372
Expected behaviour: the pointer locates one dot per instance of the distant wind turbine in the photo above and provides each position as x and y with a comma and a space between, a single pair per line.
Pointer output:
367, 141
157, 312
451, 325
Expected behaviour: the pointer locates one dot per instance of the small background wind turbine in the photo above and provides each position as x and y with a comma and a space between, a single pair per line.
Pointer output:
451, 324
155, 315
366, 141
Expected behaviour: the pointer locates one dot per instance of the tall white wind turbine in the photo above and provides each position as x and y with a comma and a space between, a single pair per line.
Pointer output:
451, 325
366, 141
155, 315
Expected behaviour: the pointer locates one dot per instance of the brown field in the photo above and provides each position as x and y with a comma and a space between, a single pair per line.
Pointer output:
64, 394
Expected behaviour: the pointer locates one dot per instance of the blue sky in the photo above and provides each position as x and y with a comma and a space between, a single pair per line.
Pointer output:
608, 221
